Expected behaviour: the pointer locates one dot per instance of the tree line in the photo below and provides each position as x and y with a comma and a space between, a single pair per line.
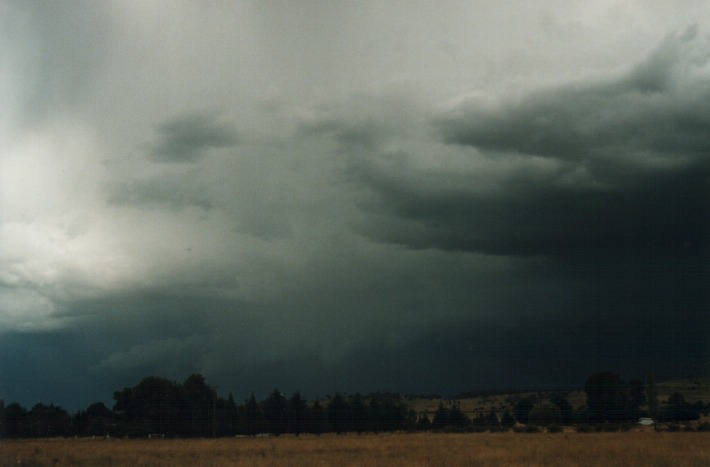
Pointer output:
611, 401
157, 406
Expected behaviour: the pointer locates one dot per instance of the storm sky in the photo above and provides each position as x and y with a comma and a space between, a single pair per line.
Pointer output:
421, 197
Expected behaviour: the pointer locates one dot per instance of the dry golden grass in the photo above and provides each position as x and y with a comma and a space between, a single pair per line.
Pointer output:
636, 448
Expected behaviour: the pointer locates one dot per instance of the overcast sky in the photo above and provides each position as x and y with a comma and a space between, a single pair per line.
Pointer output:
351, 196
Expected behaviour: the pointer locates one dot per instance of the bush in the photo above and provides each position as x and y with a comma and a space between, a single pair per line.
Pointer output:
583, 428
704, 427
626, 426
554, 429
532, 429
545, 413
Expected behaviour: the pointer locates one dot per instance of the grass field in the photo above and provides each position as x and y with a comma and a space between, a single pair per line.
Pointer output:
635, 448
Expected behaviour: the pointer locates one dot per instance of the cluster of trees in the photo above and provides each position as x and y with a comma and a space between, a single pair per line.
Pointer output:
193, 409
453, 419
610, 400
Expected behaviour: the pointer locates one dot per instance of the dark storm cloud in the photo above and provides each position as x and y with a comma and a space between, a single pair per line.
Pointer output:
654, 113
605, 184
283, 207
618, 167
187, 138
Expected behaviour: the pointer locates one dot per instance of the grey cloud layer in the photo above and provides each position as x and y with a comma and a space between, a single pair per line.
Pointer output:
187, 138
58, 50
614, 168
654, 112
200, 191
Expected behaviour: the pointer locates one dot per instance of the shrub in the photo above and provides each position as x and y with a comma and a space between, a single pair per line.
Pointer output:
626, 426
554, 429
583, 428
545, 413
704, 427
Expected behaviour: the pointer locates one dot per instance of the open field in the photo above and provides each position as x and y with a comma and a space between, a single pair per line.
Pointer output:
635, 448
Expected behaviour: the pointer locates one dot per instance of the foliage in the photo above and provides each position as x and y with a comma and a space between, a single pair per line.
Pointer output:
566, 410
704, 427
193, 409
554, 428
275, 412
423, 422
545, 414
507, 421
608, 399
583, 428
523, 407
652, 396
677, 409
449, 418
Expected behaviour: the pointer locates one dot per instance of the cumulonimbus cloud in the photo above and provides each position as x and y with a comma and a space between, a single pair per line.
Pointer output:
593, 168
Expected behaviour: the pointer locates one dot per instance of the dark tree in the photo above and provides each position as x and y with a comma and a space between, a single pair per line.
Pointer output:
492, 422
96, 420
339, 414
15, 421
153, 406
318, 420
679, 410
375, 415
359, 413
297, 419
637, 392
254, 417
392, 414
652, 396
228, 416
566, 409
545, 414
523, 407
507, 421
608, 400
423, 422
448, 418
275, 412
46, 421
198, 404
